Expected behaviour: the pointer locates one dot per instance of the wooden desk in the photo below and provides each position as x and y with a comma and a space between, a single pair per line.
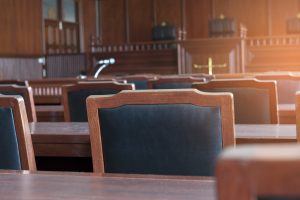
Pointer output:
287, 113
269, 133
50, 113
25, 185
72, 139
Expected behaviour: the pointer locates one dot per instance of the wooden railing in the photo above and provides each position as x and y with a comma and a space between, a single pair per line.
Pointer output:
289, 40
49, 91
97, 47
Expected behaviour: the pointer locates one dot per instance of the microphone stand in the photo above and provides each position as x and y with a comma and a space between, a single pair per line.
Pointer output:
104, 63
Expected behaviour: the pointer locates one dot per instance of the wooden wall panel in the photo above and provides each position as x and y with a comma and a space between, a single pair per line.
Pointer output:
21, 27
88, 17
281, 11
65, 65
198, 13
20, 68
168, 11
140, 20
252, 13
113, 21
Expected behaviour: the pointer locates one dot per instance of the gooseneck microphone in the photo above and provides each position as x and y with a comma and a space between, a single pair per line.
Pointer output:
104, 63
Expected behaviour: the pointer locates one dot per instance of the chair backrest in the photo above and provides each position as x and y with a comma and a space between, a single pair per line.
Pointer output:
14, 82
287, 86
26, 93
140, 81
165, 132
255, 102
16, 150
173, 82
263, 172
74, 97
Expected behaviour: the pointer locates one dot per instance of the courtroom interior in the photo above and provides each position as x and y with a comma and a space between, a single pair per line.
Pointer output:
150, 99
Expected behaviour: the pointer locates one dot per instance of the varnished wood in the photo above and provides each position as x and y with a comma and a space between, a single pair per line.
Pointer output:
298, 115
46, 185
247, 83
26, 93
249, 172
50, 113
89, 86
287, 113
16, 103
188, 96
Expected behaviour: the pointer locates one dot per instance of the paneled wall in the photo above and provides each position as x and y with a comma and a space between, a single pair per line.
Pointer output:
21, 68
132, 20
65, 65
20, 27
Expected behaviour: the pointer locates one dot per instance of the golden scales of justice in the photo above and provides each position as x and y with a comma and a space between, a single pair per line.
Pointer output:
210, 66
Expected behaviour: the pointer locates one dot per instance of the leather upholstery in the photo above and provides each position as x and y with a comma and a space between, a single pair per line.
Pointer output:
244, 98
287, 90
9, 150
77, 102
179, 85
180, 139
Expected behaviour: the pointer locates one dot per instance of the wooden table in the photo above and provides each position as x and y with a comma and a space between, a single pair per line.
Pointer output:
72, 139
55, 113
287, 113
39, 186
269, 133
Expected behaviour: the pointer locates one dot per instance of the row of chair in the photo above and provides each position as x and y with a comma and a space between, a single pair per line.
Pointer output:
242, 173
172, 129
248, 93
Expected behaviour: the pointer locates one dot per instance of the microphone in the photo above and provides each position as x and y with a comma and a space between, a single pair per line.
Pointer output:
107, 61
104, 63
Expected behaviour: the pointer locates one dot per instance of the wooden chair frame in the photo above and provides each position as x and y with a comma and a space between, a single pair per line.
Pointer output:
254, 171
22, 130
174, 79
185, 96
28, 98
247, 83
89, 85
298, 116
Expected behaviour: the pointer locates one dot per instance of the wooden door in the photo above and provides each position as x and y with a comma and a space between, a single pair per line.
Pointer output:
61, 26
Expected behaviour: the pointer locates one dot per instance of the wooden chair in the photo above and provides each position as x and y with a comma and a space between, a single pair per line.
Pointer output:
287, 86
259, 172
165, 132
255, 102
74, 97
26, 93
173, 82
16, 150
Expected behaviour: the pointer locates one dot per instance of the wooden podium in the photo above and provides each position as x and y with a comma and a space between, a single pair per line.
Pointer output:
213, 55
223, 55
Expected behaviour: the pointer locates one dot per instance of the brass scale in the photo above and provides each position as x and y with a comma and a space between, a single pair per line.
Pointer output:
210, 66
